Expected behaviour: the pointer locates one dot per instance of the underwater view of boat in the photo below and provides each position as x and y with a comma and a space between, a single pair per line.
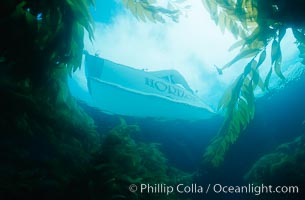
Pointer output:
58, 140
123, 90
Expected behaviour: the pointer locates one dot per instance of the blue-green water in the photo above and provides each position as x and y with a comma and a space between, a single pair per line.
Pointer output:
279, 119
55, 145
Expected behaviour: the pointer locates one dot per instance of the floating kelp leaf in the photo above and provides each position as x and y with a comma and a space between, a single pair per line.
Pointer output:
262, 58
257, 44
257, 81
267, 80
211, 6
277, 68
250, 10
141, 15
147, 10
225, 100
275, 51
222, 22
248, 68
237, 44
243, 108
234, 29
80, 9
254, 35
254, 64
245, 53
261, 84
276, 58
230, 93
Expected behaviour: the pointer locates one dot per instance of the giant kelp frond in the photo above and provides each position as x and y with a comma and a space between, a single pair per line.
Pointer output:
122, 161
150, 10
236, 16
51, 31
258, 24
238, 103
70, 18
41, 42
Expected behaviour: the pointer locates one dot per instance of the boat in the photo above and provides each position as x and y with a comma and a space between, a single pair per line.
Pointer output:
123, 90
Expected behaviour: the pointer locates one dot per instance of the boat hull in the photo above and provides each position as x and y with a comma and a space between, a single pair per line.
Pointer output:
122, 90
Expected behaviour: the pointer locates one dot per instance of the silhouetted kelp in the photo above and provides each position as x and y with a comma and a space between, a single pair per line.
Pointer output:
46, 139
285, 166
48, 143
256, 24
122, 161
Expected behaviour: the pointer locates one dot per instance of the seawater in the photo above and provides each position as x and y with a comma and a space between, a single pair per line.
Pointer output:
278, 119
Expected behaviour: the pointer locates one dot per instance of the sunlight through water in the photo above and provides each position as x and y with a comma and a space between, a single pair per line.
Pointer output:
193, 46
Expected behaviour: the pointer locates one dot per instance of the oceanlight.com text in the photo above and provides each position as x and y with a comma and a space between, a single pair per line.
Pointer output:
255, 189
212, 188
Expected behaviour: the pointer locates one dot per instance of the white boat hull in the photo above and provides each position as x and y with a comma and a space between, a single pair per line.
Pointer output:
122, 90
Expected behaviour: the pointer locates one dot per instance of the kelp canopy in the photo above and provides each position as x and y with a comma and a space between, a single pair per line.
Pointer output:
257, 23
46, 139
38, 36
50, 148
